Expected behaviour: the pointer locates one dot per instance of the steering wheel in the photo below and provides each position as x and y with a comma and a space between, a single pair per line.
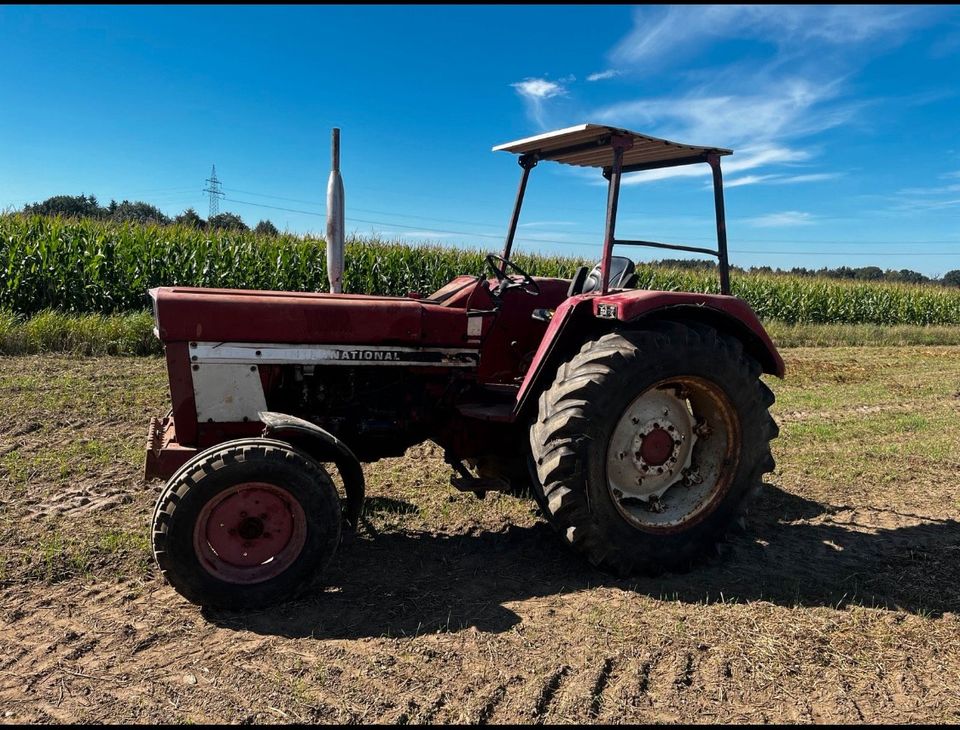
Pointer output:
528, 285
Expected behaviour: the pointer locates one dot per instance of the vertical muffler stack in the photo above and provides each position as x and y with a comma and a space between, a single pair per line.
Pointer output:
335, 221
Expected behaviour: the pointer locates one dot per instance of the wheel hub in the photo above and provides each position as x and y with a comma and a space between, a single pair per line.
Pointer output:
672, 453
657, 446
251, 533
651, 446
251, 528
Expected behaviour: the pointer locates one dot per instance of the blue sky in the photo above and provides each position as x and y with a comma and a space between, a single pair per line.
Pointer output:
845, 120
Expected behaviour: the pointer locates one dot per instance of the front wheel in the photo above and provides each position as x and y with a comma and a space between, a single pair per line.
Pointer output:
246, 524
648, 443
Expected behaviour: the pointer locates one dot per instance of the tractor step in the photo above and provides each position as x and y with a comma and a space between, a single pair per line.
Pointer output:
499, 412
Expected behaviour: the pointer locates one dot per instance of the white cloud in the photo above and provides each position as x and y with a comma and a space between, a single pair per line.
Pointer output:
535, 92
662, 35
748, 159
791, 108
746, 180
936, 190
783, 219
538, 88
780, 179
930, 198
813, 177
751, 157
790, 85
603, 75
790, 80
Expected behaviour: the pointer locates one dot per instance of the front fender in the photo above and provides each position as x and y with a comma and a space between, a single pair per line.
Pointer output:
322, 446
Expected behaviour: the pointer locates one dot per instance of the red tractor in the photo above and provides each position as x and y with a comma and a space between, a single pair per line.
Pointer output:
637, 418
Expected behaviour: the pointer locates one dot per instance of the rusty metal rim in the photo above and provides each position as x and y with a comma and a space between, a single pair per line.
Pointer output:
703, 391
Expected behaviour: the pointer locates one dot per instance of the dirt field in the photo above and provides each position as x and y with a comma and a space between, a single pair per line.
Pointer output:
838, 604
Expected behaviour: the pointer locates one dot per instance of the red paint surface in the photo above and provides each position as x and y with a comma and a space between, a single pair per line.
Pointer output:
656, 447
228, 315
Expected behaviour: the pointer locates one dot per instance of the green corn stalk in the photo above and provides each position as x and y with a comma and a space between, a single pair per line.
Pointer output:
85, 266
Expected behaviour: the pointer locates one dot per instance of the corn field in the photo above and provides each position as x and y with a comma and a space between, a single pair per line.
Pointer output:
82, 266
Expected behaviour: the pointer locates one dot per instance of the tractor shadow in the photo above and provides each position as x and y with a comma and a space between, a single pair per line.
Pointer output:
795, 552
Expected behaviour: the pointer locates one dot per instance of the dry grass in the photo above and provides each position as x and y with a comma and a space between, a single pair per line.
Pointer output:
838, 604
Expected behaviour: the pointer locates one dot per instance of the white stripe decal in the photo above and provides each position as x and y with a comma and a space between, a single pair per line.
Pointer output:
272, 353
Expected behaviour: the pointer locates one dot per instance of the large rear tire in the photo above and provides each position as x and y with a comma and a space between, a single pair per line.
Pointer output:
246, 524
648, 444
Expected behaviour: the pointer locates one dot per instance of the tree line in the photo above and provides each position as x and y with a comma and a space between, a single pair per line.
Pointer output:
862, 273
136, 211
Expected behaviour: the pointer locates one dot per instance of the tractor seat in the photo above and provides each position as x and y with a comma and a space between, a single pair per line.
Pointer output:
622, 276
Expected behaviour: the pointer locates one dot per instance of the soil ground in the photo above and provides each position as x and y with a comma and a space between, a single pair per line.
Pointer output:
838, 603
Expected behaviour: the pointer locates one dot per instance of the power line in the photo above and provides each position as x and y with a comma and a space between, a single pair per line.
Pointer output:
368, 210
275, 207
491, 225
597, 243
264, 195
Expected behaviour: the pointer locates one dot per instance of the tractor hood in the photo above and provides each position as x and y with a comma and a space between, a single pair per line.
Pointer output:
241, 315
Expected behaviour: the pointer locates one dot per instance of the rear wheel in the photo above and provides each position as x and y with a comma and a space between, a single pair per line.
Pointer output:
246, 524
648, 444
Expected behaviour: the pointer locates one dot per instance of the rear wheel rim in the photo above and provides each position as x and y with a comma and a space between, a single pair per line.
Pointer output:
672, 454
250, 533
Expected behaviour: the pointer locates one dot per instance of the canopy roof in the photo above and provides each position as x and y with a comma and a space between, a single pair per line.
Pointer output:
588, 145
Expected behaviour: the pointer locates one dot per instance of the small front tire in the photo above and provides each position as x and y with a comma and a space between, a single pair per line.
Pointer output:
246, 524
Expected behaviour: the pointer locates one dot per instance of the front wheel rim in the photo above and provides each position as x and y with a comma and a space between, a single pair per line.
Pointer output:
672, 454
250, 533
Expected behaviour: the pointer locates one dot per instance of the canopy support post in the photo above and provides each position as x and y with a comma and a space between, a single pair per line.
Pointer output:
527, 162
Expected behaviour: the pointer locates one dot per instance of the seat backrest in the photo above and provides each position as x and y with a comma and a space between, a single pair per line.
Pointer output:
576, 284
621, 274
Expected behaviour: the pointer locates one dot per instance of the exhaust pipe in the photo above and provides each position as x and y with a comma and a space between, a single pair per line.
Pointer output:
335, 222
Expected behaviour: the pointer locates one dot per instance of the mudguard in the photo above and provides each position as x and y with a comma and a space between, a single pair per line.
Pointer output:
590, 312
322, 446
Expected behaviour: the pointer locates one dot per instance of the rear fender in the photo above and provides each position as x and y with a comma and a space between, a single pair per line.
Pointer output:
586, 316
322, 446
